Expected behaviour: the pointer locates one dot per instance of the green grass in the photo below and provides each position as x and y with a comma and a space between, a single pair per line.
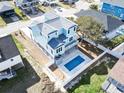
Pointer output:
20, 14
19, 45
44, 9
21, 82
94, 86
114, 42
66, 6
2, 22
92, 81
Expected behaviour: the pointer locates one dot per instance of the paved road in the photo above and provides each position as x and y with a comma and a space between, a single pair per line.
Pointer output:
12, 27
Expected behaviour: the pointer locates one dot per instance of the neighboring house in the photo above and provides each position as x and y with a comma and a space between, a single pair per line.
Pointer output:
49, 2
10, 58
57, 38
28, 6
115, 80
113, 7
69, 1
110, 23
6, 9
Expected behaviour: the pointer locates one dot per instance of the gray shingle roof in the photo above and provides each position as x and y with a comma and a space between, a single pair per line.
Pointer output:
8, 48
110, 23
60, 22
5, 6
53, 23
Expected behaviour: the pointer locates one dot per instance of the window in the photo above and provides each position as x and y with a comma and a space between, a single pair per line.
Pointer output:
59, 50
12, 59
71, 38
74, 28
68, 31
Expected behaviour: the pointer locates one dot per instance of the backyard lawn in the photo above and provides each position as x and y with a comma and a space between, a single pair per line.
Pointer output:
20, 14
66, 6
44, 9
19, 45
92, 81
2, 22
114, 42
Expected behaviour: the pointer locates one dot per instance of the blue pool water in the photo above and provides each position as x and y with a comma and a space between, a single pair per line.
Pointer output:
74, 63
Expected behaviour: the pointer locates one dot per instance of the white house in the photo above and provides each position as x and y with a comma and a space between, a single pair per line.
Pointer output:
57, 38
10, 58
55, 35
49, 2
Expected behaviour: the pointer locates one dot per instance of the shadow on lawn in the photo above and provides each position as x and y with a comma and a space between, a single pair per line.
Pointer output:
106, 63
26, 77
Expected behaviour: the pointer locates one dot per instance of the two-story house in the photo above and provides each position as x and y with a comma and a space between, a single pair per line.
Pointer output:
56, 36
10, 58
113, 7
28, 6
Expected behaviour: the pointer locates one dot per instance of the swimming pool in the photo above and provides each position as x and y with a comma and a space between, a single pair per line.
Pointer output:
74, 63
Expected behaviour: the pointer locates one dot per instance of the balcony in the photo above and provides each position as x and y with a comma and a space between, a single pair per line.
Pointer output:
71, 44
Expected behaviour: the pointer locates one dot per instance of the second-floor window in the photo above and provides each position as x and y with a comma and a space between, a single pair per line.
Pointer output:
59, 50
68, 31
74, 28
71, 38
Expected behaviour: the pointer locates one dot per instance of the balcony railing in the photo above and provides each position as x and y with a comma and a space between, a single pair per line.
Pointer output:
71, 43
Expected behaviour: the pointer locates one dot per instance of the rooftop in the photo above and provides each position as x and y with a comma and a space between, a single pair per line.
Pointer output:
117, 71
110, 23
114, 2
5, 6
8, 48
52, 23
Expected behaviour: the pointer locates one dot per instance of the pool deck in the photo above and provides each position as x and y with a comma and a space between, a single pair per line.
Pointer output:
70, 57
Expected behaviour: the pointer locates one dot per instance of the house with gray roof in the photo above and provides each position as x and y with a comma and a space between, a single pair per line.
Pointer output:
28, 6
115, 81
6, 9
10, 59
110, 23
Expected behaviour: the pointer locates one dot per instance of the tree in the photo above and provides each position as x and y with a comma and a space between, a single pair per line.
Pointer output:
90, 28
94, 6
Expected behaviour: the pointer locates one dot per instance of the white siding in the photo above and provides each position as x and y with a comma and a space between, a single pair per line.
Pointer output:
8, 63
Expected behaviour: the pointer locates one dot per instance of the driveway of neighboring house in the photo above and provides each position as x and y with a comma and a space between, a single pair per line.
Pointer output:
78, 6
